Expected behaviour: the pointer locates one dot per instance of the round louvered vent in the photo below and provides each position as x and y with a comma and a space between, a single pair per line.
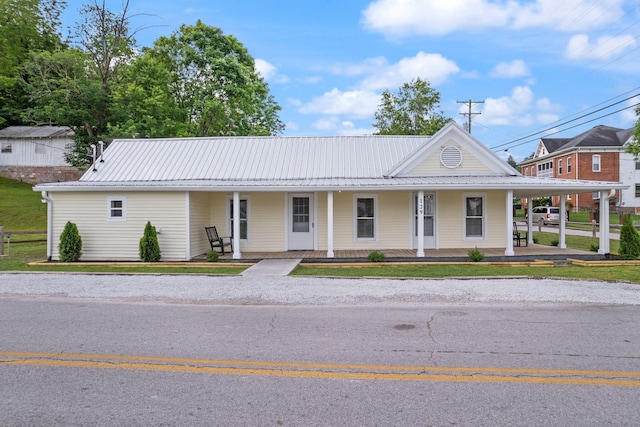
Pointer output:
451, 157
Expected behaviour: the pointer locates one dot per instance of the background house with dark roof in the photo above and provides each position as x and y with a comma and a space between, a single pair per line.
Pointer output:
598, 154
36, 154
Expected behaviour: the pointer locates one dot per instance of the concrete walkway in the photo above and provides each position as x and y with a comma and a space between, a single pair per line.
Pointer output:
272, 267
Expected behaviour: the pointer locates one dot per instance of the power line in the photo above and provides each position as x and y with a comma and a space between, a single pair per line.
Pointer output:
559, 123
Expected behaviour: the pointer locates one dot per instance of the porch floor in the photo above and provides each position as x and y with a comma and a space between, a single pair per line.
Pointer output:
531, 251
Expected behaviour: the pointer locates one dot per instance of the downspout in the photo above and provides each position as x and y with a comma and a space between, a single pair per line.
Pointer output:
46, 199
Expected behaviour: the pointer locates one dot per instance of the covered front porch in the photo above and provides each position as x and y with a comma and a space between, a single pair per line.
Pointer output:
528, 252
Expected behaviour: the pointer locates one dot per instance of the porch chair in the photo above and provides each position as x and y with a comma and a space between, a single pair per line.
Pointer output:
216, 241
520, 235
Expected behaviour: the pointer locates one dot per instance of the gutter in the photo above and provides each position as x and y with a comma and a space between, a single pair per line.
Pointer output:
46, 199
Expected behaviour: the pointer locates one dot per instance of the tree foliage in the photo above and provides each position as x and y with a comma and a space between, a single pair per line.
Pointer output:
629, 241
197, 82
413, 110
634, 146
70, 246
149, 247
26, 26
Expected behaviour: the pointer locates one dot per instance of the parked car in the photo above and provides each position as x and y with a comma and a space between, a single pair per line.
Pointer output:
548, 215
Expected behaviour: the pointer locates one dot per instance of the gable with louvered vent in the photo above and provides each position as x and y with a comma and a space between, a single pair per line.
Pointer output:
451, 157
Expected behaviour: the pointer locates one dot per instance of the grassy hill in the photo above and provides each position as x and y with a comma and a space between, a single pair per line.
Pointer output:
20, 207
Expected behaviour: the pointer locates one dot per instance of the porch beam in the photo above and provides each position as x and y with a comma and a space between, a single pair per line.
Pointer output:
509, 251
236, 225
330, 253
420, 231
562, 244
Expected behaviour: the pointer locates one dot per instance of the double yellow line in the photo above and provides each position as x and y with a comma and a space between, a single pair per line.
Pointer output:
323, 370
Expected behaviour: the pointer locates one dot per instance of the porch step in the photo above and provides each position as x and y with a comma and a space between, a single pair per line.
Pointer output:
272, 267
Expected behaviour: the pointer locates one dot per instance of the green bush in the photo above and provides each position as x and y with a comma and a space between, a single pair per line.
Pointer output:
595, 247
149, 247
475, 255
70, 243
212, 256
629, 241
376, 256
555, 242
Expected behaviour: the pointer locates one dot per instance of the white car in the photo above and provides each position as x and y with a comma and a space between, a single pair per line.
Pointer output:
548, 215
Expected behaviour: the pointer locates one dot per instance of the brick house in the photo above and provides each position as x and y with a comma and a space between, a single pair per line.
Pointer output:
598, 154
36, 154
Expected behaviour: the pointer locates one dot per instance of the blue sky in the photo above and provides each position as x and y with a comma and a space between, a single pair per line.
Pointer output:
536, 64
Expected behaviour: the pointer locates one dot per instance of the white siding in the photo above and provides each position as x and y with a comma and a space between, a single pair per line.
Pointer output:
630, 176
432, 165
200, 211
35, 152
119, 240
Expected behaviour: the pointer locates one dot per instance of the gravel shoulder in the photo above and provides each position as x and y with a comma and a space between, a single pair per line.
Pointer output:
238, 290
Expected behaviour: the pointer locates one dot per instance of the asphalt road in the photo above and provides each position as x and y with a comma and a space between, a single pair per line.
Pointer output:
86, 360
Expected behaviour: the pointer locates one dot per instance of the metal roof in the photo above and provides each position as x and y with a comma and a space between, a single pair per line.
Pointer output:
36, 132
251, 158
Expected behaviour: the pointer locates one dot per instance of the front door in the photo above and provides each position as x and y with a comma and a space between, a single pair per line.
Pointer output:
429, 220
301, 222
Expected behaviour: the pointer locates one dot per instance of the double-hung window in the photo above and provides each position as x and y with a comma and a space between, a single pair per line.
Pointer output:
474, 216
595, 163
568, 164
559, 166
116, 209
244, 218
365, 217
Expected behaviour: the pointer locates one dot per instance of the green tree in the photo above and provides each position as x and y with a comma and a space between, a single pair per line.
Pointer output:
513, 163
26, 26
149, 247
213, 81
634, 146
70, 243
413, 110
629, 241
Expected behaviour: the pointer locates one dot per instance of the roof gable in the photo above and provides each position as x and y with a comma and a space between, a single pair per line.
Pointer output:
451, 151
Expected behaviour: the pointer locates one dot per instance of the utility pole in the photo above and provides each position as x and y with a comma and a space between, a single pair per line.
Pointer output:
470, 103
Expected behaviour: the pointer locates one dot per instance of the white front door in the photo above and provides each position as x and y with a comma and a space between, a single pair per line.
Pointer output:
301, 222
429, 220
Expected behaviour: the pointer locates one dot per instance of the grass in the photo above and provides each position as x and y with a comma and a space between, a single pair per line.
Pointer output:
21, 208
617, 273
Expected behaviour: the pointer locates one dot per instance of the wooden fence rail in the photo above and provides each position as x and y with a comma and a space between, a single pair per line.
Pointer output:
8, 234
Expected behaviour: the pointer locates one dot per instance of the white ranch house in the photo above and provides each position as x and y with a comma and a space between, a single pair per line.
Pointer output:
300, 193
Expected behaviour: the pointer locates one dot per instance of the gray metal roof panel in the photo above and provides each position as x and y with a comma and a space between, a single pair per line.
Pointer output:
251, 158
36, 132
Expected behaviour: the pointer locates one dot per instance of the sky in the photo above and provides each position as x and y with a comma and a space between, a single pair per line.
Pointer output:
539, 67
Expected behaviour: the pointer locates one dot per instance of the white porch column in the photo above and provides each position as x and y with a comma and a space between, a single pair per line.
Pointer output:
530, 220
509, 202
330, 224
604, 223
420, 231
236, 225
563, 223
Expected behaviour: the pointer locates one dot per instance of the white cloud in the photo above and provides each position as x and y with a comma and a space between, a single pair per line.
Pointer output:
436, 17
265, 69
519, 109
333, 124
356, 103
629, 115
604, 47
428, 66
513, 69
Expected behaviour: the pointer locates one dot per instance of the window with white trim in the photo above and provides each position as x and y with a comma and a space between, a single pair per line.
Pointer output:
474, 216
6, 147
365, 217
117, 209
244, 217
568, 164
559, 166
637, 190
595, 163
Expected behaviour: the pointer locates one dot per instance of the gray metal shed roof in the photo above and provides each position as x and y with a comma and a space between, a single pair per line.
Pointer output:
36, 132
